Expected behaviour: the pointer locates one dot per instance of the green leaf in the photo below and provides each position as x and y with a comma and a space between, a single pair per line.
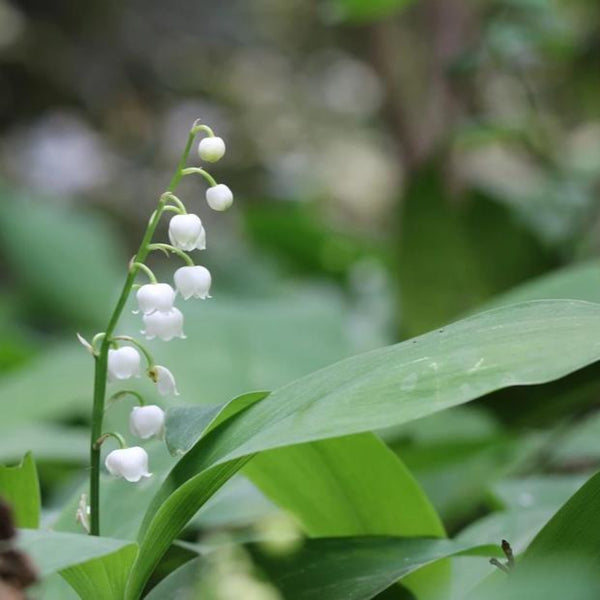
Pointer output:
102, 578
19, 487
350, 486
347, 568
524, 344
185, 425
356, 568
51, 551
517, 345
574, 529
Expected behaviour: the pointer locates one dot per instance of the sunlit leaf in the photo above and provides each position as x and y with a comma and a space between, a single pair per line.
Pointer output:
352, 485
102, 578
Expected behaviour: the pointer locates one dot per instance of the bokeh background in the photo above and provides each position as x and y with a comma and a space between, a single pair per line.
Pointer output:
396, 165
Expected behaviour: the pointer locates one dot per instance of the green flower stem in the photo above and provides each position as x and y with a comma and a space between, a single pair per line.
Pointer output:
112, 434
119, 395
199, 171
168, 248
177, 202
135, 266
174, 209
101, 361
205, 128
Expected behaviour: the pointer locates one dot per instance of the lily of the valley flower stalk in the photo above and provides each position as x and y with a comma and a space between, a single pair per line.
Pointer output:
118, 357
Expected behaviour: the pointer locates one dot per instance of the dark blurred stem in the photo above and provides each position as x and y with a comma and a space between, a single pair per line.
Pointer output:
102, 357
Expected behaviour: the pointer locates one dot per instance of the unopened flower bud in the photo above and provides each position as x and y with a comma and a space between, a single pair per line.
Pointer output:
186, 232
123, 363
219, 197
155, 296
193, 282
165, 382
147, 421
211, 149
129, 463
164, 325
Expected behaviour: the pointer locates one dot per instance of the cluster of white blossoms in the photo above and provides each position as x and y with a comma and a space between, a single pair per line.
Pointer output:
161, 318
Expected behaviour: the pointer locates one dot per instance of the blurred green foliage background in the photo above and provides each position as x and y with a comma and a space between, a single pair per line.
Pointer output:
396, 165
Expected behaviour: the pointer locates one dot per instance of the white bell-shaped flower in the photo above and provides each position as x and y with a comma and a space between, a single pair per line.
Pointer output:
147, 421
187, 233
155, 296
164, 325
211, 149
219, 197
193, 282
123, 363
129, 463
165, 382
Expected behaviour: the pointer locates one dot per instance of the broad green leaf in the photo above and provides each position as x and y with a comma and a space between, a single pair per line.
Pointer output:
347, 568
523, 344
51, 551
352, 485
19, 487
348, 486
574, 529
102, 578
356, 568
72, 272
185, 425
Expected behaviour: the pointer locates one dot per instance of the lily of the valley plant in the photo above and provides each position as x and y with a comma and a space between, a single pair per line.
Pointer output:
120, 357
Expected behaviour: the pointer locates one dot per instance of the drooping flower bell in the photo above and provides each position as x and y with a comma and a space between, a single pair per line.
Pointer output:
187, 233
219, 197
129, 463
147, 421
211, 149
165, 382
155, 296
164, 325
123, 363
193, 282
